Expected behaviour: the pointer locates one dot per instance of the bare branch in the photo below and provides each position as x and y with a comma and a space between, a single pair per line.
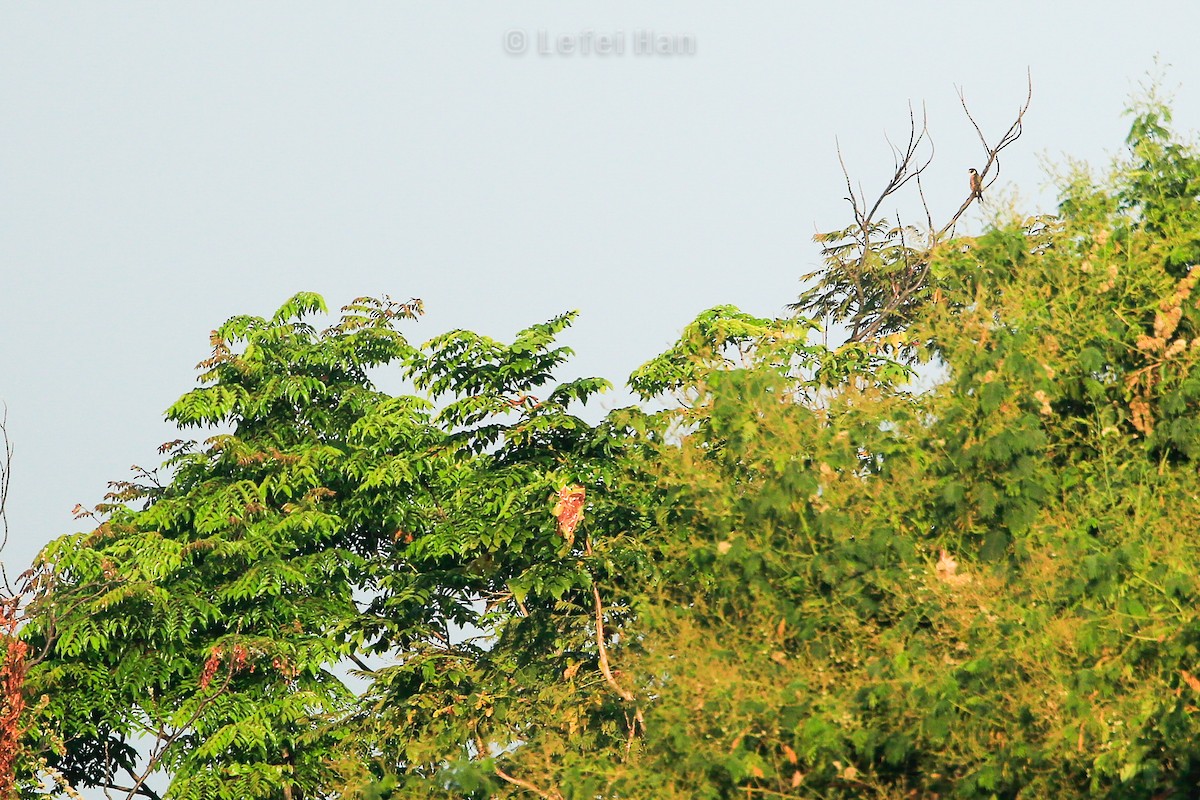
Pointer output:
963, 100
359, 663
992, 154
602, 649
606, 670
875, 274
6, 459
144, 791
925, 205
504, 776
851, 198
906, 169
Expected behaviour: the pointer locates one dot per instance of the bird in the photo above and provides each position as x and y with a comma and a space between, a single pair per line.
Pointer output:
976, 184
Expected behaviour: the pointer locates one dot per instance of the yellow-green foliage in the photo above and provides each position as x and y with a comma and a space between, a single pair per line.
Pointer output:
799, 580
988, 590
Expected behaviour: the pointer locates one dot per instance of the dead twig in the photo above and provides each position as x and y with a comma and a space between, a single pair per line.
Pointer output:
992, 153
874, 275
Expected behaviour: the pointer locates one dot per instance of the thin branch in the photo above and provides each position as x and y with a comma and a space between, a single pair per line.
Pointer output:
925, 205
144, 791
906, 169
61, 781
163, 741
992, 153
963, 100
482, 753
6, 459
605, 669
527, 786
867, 322
851, 198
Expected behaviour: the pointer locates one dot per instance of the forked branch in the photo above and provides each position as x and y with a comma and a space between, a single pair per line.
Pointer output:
907, 165
992, 152
875, 272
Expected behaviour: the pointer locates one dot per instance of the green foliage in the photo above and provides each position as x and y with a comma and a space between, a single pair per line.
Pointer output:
331, 522
981, 591
799, 579
872, 271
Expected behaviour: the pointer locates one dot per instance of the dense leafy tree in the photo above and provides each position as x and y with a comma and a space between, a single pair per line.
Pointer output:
987, 590
800, 578
332, 522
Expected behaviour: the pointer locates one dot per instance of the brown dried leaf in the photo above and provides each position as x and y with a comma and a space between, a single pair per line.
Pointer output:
569, 510
947, 570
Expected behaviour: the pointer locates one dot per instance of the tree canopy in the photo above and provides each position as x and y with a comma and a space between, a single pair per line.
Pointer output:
799, 577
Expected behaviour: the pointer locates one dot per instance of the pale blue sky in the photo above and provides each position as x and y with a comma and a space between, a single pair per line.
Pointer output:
165, 165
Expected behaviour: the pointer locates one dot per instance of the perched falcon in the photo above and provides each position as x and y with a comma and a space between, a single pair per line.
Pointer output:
976, 184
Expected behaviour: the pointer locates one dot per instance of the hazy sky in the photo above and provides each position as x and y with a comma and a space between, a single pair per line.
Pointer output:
165, 165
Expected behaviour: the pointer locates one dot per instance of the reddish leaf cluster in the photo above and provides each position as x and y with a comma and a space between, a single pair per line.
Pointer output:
239, 661
569, 510
12, 696
285, 668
